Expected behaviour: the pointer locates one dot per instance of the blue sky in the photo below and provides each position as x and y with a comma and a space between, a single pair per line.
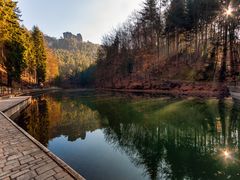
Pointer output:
91, 18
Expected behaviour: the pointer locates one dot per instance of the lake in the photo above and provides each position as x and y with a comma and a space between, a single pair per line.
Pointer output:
123, 136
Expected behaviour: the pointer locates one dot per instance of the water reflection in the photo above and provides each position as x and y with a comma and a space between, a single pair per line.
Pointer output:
165, 138
36, 120
48, 118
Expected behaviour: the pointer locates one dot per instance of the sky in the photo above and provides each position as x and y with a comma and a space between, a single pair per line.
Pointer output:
91, 18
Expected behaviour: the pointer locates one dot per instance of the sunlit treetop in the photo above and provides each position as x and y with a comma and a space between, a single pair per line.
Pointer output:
229, 11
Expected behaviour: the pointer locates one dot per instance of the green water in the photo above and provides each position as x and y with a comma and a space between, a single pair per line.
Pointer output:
134, 136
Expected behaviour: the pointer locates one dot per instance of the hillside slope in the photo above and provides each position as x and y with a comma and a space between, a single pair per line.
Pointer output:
74, 57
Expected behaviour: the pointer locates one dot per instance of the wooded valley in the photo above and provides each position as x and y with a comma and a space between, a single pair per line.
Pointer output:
167, 40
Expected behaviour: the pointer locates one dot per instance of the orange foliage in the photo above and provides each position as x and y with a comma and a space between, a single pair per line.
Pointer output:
52, 65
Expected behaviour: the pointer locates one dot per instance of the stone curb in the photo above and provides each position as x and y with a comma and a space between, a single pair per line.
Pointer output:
28, 97
56, 159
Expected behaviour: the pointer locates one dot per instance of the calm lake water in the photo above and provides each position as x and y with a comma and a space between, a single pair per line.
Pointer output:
134, 137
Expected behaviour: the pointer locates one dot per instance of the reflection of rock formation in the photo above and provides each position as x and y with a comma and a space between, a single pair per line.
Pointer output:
76, 119
47, 118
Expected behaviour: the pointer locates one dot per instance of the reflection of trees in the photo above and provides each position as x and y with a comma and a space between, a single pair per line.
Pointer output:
180, 141
235, 126
76, 119
221, 106
169, 139
35, 120
49, 117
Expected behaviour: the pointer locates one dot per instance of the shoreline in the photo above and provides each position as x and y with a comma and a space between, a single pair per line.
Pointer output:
169, 92
175, 88
189, 93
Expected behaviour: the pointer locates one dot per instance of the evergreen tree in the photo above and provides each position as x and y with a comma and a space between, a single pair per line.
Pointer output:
40, 54
11, 43
29, 53
9, 20
150, 21
14, 52
8, 23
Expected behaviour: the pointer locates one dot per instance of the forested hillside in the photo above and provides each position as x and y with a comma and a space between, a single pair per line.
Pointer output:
24, 57
28, 57
190, 40
76, 59
167, 40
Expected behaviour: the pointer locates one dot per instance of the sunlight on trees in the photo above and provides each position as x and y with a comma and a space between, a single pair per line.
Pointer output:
22, 52
194, 40
173, 39
229, 11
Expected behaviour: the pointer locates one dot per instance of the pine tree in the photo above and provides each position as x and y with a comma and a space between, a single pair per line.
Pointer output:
12, 49
40, 54
150, 21
9, 20
14, 52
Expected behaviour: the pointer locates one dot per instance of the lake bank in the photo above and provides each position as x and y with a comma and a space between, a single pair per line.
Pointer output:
177, 88
174, 88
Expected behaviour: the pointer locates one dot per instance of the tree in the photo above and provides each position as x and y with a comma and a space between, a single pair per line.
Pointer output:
52, 69
9, 20
12, 49
196, 39
7, 15
150, 21
29, 53
40, 54
14, 53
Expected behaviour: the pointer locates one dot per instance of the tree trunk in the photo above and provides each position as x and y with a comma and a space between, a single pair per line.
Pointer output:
9, 81
231, 49
224, 58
